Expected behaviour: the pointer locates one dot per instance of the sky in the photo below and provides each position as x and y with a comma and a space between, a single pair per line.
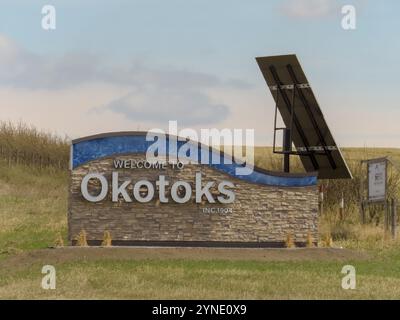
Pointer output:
133, 65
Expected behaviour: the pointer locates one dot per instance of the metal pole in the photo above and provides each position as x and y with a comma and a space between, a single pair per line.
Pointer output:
287, 138
286, 148
276, 111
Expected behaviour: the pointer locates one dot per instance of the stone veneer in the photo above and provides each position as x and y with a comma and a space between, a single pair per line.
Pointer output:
261, 215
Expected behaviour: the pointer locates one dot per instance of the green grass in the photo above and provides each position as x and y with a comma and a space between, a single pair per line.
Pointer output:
182, 279
33, 207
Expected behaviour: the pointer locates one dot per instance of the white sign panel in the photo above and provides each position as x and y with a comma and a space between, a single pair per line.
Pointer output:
377, 181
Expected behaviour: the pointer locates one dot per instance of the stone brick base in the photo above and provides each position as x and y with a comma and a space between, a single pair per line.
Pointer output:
261, 215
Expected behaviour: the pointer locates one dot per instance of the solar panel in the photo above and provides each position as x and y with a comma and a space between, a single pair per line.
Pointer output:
301, 113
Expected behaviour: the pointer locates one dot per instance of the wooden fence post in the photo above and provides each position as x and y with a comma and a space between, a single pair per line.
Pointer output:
394, 218
361, 196
386, 209
362, 212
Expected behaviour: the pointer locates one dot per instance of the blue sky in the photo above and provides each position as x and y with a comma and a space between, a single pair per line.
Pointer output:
124, 65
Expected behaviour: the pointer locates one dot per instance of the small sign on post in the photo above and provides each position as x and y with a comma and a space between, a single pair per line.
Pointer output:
376, 186
377, 192
377, 173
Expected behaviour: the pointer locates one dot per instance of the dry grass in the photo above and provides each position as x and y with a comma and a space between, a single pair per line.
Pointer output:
107, 240
81, 239
23, 144
264, 158
33, 206
346, 228
289, 243
33, 212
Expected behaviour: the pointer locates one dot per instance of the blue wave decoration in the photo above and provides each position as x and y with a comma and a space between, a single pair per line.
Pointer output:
91, 148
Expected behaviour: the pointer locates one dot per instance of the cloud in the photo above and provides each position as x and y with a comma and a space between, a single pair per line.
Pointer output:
150, 94
161, 104
309, 8
24, 69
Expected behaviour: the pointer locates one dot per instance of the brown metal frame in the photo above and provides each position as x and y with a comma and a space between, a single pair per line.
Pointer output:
287, 146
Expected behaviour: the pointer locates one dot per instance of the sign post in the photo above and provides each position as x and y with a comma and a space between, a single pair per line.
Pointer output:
377, 181
377, 170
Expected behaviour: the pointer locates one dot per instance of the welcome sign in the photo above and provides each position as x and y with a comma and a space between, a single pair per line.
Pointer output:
181, 196
181, 191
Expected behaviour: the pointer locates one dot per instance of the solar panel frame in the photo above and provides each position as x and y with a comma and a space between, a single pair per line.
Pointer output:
310, 133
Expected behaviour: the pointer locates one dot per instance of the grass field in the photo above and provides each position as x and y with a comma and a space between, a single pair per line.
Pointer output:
169, 278
33, 206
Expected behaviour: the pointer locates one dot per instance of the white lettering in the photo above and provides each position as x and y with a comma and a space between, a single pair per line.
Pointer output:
161, 183
117, 190
144, 190
84, 187
230, 195
137, 191
175, 189
203, 191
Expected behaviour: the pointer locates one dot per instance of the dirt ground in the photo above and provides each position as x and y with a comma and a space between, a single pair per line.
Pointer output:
67, 254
